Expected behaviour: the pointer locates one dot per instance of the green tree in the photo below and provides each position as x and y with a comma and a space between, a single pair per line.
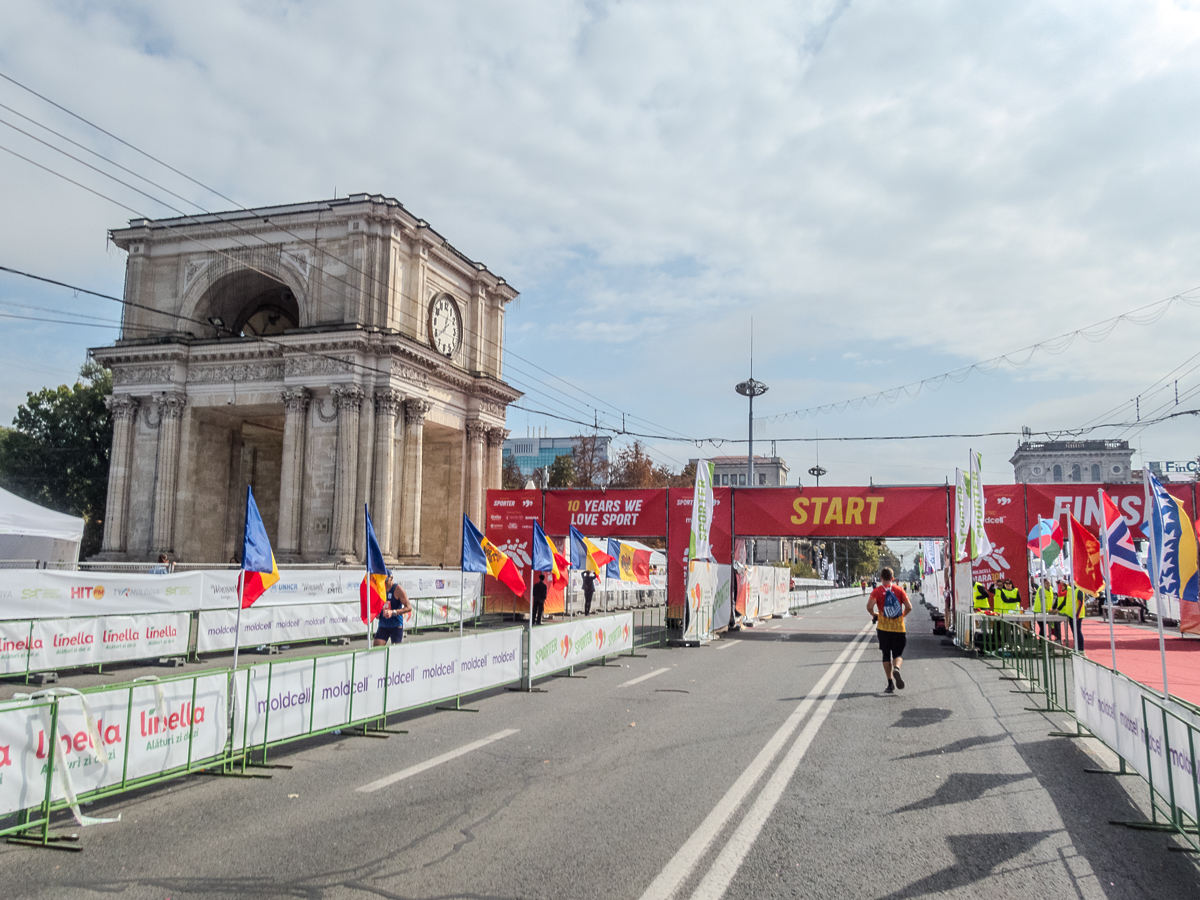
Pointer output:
511, 476
56, 454
562, 471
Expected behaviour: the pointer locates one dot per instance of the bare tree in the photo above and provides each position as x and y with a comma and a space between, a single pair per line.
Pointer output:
591, 468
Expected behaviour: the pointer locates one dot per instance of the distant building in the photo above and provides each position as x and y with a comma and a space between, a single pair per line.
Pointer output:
769, 471
540, 452
1089, 462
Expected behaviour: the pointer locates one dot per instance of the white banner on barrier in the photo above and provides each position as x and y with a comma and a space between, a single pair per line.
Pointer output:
46, 594
46, 644
555, 647
290, 699
700, 599
722, 601
98, 732
278, 625
298, 587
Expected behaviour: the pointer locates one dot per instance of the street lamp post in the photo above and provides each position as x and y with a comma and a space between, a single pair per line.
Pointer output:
751, 389
816, 472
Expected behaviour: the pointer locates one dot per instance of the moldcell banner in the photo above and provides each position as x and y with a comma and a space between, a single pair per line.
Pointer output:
680, 532
852, 512
1004, 519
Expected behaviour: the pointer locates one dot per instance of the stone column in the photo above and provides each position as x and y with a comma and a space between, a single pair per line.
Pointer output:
410, 492
387, 404
495, 460
291, 488
170, 417
348, 399
473, 505
124, 412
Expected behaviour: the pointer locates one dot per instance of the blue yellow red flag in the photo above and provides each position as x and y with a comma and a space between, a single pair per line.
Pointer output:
546, 557
481, 555
585, 554
259, 571
1172, 557
372, 593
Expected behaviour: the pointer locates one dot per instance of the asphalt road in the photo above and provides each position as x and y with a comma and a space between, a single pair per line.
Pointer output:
753, 767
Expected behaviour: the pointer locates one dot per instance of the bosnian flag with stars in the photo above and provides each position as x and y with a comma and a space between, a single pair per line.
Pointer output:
1126, 576
1173, 558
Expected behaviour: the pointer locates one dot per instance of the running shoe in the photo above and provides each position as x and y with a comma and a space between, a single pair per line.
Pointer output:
890, 689
899, 680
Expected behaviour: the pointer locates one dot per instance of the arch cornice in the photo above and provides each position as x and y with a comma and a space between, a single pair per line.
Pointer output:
207, 270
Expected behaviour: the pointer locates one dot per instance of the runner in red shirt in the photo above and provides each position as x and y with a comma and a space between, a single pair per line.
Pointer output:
889, 605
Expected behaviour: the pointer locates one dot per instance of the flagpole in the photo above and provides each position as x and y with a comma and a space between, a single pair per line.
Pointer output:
1112, 640
1158, 598
367, 574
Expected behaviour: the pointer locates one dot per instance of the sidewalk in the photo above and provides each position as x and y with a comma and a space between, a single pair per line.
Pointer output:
1138, 656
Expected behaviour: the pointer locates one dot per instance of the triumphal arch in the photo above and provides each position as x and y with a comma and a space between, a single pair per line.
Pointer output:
330, 355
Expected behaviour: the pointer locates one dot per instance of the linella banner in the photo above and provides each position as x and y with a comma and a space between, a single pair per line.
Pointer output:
857, 512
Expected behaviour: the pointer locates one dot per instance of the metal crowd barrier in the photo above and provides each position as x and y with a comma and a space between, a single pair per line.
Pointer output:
1152, 736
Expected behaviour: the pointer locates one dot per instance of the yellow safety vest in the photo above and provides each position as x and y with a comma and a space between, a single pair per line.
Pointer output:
1044, 601
981, 597
1080, 604
1008, 601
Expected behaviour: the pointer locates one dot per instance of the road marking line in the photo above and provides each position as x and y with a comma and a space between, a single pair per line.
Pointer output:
645, 677
680, 866
733, 853
436, 761
727, 643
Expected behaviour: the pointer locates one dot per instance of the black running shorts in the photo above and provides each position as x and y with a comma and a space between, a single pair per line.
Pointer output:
891, 643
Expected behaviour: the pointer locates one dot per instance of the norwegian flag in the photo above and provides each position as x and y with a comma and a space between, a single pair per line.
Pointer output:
1125, 574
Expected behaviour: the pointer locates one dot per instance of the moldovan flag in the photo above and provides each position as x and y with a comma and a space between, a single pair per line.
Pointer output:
372, 592
546, 557
259, 571
635, 564
1086, 564
1125, 573
480, 555
585, 554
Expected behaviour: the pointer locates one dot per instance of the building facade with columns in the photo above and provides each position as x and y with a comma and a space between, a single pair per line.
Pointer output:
329, 355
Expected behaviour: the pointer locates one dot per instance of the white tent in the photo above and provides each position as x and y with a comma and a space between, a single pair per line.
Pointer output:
29, 531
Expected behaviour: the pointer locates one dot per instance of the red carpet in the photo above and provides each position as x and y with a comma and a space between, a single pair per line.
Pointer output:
1138, 656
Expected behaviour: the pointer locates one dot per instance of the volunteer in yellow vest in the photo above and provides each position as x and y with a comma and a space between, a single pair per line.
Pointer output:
1045, 601
1074, 605
1008, 598
983, 602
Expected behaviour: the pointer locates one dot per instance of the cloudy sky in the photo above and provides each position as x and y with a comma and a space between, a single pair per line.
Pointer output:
891, 190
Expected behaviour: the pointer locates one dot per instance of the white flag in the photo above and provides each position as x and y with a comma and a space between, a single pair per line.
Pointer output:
962, 515
980, 545
699, 547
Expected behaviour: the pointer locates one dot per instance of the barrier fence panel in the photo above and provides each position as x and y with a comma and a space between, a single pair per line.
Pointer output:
1151, 736
62, 747
554, 648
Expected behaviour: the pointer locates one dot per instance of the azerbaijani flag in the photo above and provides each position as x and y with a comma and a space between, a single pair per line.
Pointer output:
1046, 540
372, 593
546, 557
481, 555
585, 554
259, 571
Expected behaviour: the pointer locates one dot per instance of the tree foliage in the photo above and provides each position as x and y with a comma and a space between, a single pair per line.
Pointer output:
562, 471
57, 453
511, 477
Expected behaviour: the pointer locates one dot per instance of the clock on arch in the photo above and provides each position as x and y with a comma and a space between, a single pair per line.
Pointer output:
445, 325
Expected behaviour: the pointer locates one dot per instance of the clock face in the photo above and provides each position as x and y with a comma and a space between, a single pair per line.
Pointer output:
445, 326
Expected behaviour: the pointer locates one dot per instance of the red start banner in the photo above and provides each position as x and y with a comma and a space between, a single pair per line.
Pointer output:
852, 512
680, 533
621, 512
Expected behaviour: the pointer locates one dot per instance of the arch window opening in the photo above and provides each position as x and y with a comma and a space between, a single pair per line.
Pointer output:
249, 304
1057, 472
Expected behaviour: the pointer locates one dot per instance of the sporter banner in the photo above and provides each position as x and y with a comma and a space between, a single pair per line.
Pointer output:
858, 512
701, 601
621, 512
556, 647
720, 539
39, 645
702, 511
510, 517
